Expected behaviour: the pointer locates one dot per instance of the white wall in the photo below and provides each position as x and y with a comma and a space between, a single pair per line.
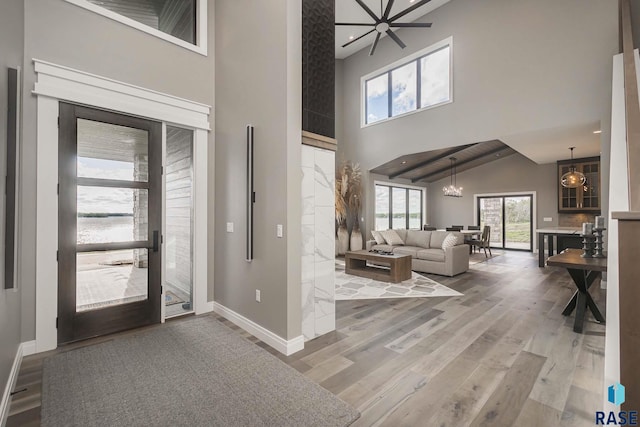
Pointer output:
258, 82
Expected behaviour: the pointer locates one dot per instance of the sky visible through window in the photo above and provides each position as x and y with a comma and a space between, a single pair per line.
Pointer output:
434, 86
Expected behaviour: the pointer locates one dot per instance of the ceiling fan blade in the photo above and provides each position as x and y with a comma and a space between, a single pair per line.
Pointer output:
375, 44
369, 11
396, 39
388, 9
408, 10
358, 38
358, 24
411, 25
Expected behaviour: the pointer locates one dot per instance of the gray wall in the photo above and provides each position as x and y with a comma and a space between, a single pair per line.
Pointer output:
11, 42
257, 82
518, 66
512, 174
66, 34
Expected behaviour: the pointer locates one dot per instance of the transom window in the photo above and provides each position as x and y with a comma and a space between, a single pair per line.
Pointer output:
422, 80
398, 207
182, 22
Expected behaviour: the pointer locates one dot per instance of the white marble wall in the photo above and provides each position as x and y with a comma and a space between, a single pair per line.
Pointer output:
318, 242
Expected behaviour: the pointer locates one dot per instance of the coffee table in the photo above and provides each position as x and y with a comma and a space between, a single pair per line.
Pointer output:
399, 266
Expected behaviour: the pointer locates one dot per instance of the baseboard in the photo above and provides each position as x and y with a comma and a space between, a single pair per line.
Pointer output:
29, 346
286, 347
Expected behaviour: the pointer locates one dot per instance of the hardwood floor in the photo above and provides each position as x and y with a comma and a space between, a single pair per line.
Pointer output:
500, 355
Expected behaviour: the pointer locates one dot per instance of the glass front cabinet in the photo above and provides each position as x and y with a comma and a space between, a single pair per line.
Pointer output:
585, 199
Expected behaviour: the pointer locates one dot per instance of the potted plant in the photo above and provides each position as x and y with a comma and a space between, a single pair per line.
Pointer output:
348, 204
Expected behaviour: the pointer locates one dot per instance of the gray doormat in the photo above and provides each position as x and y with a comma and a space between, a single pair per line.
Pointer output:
195, 372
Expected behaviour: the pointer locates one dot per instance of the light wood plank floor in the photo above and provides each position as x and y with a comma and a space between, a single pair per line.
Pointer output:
500, 355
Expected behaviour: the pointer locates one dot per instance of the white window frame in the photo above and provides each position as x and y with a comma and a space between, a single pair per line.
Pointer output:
201, 25
410, 187
407, 59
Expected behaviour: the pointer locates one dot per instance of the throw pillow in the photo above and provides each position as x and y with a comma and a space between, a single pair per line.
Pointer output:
450, 241
377, 236
392, 238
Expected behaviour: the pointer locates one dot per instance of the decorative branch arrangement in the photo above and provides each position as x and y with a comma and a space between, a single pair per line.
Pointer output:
348, 197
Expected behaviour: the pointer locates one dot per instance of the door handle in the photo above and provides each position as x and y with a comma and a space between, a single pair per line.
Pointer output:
156, 241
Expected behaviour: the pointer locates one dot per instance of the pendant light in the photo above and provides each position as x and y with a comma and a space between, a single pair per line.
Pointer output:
573, 178
452, 190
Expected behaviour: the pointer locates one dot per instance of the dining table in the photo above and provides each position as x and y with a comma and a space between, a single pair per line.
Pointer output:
583, 271
467, 234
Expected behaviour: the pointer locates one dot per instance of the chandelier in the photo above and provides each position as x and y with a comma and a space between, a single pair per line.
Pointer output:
452, 190
573, 178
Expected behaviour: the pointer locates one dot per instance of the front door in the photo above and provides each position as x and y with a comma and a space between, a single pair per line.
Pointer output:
110, 210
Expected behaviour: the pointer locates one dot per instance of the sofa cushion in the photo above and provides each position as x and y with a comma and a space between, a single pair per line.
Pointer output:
437, 237
392, 237
407, 250
418, 238
402, 233
431, 255
377, 236
449, 241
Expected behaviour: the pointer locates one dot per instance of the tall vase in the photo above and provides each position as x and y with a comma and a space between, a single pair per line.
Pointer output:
343, 239
356, 239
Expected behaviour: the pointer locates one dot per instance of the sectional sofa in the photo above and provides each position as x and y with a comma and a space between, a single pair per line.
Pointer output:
437, 252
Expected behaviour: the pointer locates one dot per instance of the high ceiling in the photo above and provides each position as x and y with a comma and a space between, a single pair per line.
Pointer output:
350, 11
431, 166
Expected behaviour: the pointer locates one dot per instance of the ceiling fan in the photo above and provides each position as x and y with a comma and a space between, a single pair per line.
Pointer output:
384, 23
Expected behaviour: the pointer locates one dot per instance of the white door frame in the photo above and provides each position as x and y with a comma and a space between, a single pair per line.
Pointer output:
57, 83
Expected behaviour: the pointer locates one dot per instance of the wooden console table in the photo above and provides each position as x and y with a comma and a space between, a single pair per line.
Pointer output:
583, 271
399, 266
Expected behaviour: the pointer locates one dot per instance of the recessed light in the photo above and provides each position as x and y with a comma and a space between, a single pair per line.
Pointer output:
404, 162
351, 37
597, 131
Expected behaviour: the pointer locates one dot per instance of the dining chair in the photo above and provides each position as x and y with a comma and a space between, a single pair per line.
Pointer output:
429, 228
455, 228
468, 237
484, 241
473, 227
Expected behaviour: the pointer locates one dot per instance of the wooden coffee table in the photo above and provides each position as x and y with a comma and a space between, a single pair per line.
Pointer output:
399, 266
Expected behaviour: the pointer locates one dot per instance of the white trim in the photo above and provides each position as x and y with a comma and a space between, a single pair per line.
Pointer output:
200, 219
68, 84
286, 347
46, 224
24, 349
201, 25
534, 214
58, 83
163, 226
403, 61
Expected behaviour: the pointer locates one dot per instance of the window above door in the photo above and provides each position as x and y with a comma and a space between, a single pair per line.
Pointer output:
182, 22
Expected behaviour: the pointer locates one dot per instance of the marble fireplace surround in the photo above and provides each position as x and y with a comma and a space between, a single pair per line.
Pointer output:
318, 235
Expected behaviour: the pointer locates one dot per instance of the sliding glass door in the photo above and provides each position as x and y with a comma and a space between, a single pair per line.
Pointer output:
510, 219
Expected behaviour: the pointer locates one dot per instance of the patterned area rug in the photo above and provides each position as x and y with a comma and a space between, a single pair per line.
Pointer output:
478, 257
349, 287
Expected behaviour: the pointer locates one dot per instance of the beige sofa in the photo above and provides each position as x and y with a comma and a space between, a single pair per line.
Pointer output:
425, 248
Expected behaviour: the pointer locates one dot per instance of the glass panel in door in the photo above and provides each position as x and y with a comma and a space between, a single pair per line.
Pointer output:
415, 209
491, 215
517, 222
109, 206
382, 207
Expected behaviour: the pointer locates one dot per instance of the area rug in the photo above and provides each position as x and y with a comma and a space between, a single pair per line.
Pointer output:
349, 287
195, 372
171, 299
